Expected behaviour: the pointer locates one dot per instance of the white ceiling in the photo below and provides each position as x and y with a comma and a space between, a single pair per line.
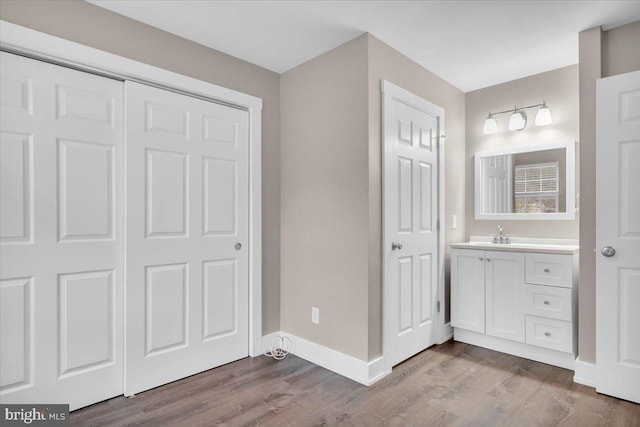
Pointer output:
471, 44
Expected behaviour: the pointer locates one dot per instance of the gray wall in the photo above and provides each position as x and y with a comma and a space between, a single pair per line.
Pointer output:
621, 50
386, 63
602, 54
324, 200
99, 28
560, 90
332, 188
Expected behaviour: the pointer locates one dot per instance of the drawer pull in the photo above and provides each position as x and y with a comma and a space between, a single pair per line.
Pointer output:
546, 270
488, 259
546, 302
480, 258
547, 334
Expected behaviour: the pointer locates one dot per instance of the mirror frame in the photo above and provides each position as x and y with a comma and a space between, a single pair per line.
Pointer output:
570, 211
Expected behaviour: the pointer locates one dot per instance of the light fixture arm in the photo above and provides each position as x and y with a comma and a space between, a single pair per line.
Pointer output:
518, 119
516, 109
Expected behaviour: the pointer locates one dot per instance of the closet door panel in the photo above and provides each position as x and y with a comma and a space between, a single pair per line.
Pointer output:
61, 232
187, 231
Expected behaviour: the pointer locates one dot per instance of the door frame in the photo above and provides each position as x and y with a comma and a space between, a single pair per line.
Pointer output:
45, 47
391, 92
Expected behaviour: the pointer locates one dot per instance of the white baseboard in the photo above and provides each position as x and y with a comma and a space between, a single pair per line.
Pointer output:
446, 334
585, 373
539, 354
268, 340
365, 373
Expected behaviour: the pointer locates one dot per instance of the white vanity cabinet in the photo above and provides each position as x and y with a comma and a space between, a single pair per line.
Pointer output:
513, 299
488, 290
467, 290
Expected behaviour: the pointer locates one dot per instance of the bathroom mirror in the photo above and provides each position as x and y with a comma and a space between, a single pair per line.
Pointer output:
526, 182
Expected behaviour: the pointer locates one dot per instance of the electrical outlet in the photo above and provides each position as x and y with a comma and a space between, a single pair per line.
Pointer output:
454, 222
315, 315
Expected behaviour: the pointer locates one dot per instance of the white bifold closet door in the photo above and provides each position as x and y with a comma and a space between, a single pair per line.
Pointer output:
187, 236
61, 234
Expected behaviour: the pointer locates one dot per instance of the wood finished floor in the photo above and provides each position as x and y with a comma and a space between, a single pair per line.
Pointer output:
451, 384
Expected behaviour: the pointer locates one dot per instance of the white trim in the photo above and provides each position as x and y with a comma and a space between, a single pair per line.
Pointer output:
447, 333
42, 46
268, 340
570, 184
585, 373
391, 91
25, 41
365, 373
255, 230
539, 354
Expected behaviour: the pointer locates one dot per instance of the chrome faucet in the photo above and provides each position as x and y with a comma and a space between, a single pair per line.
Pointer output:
499, 237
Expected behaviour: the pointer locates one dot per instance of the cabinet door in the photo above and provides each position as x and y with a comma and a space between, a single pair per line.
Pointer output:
504, 277
467, 290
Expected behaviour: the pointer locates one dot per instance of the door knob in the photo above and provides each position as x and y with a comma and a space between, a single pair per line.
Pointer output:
608, 251
238, 246
396, 246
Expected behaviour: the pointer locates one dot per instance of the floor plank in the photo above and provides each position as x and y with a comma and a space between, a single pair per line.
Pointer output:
453, 384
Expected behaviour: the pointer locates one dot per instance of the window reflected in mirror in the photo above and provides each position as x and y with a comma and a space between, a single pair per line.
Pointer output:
527, 182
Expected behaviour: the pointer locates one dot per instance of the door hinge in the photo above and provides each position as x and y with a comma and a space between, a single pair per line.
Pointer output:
438, 306
438, 225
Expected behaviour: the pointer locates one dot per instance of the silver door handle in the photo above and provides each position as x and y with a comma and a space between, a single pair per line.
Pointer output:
238, 246
396, 246
608, 251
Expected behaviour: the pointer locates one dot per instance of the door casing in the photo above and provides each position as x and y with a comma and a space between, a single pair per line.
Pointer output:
390, 92
35, 44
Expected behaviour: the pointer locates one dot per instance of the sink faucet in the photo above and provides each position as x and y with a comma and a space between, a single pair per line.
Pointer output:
499, 237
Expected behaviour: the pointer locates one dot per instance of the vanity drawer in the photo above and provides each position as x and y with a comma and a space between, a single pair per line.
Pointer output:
548, 301
549, 269
550, 333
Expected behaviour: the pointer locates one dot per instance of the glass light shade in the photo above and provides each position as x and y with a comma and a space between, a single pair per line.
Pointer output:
517, 121
490, 126
543, 116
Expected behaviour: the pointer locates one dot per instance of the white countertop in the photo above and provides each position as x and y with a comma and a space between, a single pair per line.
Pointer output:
521, 244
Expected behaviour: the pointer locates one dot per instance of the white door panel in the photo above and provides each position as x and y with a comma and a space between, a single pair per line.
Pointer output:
497, 194
618, 227
61, 234
187, 208
468, 290
410, 219
504, 281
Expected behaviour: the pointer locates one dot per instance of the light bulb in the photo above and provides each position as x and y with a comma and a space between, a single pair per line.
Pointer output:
517, 121
490, 125
543, 116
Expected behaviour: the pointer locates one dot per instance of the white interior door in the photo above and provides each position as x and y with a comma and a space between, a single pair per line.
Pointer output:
410, 242
61, 234
187, 236
498, 184
618, 228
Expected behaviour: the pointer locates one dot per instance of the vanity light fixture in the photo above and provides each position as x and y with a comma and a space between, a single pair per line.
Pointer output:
543, 116
518, 118
490, 125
